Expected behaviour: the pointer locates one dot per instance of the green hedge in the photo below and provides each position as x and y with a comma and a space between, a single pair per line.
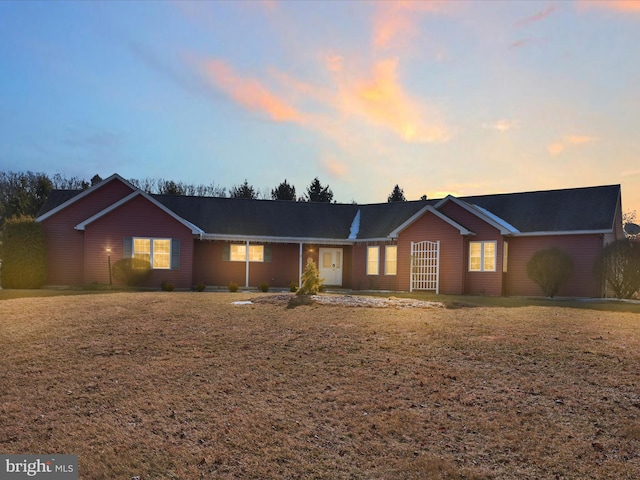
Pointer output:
23, 254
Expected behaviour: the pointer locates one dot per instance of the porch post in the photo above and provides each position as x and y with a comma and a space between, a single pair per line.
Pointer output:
300, 267
411, 268
246, 283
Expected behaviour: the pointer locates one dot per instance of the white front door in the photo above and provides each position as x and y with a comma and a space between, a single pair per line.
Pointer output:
331, 266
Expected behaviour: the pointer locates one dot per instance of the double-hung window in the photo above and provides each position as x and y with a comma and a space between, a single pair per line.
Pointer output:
482, 256
391, 260
157, 251
238, 253
373, 260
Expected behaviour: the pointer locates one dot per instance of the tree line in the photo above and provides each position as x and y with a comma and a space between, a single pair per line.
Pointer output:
24, 193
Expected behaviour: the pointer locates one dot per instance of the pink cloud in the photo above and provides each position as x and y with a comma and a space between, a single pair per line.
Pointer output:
556, 148
502, 125
615, 5
249, 92
537, 17
382, 100
395, 19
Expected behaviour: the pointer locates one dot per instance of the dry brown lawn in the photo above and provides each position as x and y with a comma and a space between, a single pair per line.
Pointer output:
190, 386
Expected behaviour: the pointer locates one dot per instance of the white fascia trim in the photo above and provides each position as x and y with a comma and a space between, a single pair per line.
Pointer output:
83, 194
480, 213
421, 212
272, 239
563, 232
510, 228
194, 229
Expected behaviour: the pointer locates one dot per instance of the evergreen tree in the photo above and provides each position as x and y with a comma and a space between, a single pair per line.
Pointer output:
243, 191
284, 191
397, 195
318, 193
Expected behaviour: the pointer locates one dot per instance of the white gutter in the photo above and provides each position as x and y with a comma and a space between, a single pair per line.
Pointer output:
274, 239
566, 232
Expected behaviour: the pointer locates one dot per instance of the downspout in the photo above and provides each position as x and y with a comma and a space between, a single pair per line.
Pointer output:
247, 266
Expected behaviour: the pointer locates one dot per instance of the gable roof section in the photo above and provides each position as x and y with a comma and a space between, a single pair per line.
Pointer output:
139, 193
60, 199
440, 215
378, 220
574, 210
503, 227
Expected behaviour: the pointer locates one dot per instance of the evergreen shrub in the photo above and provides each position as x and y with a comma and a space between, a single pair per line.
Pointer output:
23, 254
131, 271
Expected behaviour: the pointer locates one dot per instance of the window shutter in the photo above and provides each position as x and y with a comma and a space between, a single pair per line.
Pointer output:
127, 247
175, 254
226, 252
267, 253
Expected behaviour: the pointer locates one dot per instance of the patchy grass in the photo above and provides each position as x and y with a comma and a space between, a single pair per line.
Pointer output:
188, 385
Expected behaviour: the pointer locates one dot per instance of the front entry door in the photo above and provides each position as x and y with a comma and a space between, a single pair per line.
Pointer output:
331, 266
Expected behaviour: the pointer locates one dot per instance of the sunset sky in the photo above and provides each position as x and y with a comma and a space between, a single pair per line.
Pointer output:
460, 97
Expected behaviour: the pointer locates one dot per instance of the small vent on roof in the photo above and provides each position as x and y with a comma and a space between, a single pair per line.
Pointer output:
355, 227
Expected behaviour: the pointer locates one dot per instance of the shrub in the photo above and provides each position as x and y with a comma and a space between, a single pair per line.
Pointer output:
550, 268
619, 266
293, 287
23, 255
200, 286
263, 287
311, 281
233, 287
167, 287
131, 271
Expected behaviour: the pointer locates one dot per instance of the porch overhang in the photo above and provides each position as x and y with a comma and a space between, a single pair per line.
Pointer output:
275, 239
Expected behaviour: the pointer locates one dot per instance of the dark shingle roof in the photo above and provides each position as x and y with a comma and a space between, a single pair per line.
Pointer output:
57, 198
575, 209
238, 216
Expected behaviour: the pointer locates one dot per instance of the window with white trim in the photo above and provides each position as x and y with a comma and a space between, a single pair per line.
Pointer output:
238, 253
482, 256
373, 260
157, 251
390, 259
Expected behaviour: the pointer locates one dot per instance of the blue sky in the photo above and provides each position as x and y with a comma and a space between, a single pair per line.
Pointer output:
464, 97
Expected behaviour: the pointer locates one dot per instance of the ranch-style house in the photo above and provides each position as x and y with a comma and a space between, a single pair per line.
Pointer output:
454, 245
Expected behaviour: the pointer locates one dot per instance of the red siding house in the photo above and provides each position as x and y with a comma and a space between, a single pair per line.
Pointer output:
456, 245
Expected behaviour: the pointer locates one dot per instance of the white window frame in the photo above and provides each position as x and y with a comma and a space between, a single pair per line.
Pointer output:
256, 253
391, 260
373, 260
150, 253
483, 256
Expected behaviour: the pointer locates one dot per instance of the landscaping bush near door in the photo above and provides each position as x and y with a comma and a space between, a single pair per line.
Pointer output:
131, 271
